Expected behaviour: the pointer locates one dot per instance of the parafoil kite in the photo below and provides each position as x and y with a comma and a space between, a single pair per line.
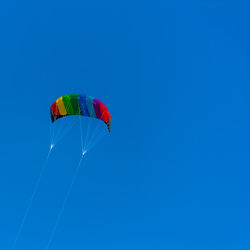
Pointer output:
93, 116
77, 104
72, 105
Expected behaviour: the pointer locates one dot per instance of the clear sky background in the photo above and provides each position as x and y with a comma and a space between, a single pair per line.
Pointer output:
174, 172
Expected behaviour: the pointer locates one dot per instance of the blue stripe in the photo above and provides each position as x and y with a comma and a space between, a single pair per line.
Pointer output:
83, 105
91, 109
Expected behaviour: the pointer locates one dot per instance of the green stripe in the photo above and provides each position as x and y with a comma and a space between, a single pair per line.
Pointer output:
75, 104
68, 105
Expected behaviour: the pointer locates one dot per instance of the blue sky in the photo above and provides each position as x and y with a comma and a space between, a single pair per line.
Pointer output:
174, 172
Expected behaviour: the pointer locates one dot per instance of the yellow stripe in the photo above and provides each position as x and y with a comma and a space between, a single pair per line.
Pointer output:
61, 106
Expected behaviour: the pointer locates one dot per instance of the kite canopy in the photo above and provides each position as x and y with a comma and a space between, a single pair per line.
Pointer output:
77, 104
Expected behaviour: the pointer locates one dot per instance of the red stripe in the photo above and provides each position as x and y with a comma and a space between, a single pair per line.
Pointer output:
105, 113
55, 109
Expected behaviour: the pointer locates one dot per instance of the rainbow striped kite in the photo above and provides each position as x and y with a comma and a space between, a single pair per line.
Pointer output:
76, 104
